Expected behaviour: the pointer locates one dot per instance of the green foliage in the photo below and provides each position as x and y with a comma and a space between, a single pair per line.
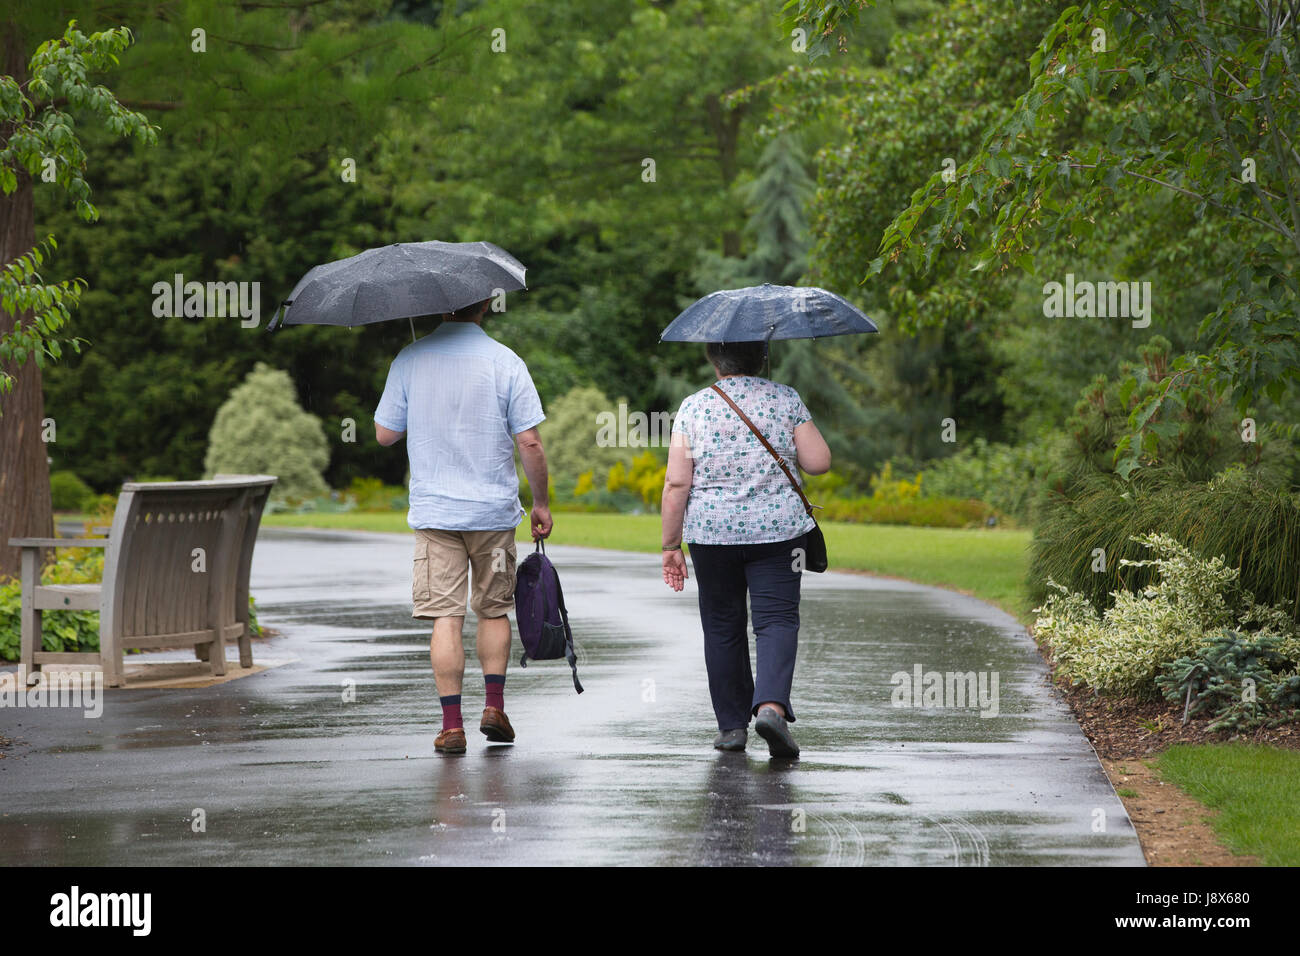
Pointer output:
142, 399
244, 186
893, 501
1257, 527
843, 399
1172, 113
41, 142
371, 494
1202, 484
1188, 600
261, 429
60, 630
1240, 681
896, 126
778, 195
645, 478
581, 433
70, 493
1000, 475
1191, 438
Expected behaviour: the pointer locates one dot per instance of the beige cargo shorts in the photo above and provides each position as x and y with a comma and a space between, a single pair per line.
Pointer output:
447, 561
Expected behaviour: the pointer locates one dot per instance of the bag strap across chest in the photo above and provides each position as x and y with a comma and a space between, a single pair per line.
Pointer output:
794, 482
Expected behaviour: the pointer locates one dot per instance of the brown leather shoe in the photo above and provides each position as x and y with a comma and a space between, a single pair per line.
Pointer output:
450, 741
496, 726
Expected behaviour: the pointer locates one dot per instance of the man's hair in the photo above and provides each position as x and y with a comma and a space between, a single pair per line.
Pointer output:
737, 358
469, 313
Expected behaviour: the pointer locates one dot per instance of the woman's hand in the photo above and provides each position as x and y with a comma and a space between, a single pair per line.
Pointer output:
672, 510
675, 569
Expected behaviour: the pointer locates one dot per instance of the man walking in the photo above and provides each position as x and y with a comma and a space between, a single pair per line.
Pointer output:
459, 397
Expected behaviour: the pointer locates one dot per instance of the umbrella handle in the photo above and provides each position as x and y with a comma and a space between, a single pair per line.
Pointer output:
412, 321
276, 315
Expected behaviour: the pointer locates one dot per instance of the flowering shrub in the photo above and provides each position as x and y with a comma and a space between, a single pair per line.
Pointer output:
1123, 650
895, 501
645, 478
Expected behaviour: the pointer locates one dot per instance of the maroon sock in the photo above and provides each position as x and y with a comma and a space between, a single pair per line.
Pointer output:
496, 690
451, 718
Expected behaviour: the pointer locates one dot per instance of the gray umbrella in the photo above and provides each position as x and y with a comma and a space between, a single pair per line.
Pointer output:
400, 281
764, 312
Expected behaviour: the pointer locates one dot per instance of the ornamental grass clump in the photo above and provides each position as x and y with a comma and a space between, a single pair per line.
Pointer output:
1188, 602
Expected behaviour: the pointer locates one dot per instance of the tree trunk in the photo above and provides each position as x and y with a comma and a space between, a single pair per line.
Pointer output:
25, 509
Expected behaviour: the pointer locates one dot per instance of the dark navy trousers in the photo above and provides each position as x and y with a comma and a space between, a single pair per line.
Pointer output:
725, 574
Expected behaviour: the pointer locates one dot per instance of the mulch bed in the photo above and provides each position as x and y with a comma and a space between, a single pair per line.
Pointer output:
1121, 727
1172, 826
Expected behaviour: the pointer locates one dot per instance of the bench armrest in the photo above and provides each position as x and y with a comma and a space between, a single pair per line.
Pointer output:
58, 542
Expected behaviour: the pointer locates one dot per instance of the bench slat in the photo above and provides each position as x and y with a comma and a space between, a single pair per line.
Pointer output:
67, 597
58, 542
66, 657
182, 638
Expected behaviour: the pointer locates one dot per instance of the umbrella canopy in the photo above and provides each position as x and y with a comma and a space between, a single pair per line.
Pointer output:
400, 281
764, 312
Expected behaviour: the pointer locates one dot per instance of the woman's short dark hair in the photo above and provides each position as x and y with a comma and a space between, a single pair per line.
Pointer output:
737, 358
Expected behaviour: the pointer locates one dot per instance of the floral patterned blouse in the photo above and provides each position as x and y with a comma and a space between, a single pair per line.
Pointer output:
739, 495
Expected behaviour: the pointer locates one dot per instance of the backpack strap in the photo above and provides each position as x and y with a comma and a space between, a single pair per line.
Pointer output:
569, 654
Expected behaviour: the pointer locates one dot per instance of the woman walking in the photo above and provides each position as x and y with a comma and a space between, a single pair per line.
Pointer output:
728, 498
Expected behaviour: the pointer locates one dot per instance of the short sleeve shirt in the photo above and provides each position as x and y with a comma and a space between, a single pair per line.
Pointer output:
461, 397
739, 494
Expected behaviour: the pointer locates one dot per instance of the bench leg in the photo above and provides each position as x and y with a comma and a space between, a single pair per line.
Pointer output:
245, 649
29, 616
110, 659
217, 656
113, 668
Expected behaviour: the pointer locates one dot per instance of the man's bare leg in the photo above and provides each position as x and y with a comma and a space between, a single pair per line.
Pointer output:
447, 654
493, 644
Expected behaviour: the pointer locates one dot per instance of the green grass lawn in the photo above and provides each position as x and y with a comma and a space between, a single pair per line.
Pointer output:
988, 564
1253, 787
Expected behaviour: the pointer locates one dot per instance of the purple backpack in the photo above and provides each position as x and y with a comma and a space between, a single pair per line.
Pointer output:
542, 616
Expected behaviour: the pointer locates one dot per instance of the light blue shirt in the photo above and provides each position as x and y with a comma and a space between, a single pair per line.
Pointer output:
460, 396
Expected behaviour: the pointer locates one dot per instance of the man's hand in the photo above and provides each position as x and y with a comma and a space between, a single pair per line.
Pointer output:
541, 518
675, 569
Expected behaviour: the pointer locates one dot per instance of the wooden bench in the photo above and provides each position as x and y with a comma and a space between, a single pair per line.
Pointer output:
157, 589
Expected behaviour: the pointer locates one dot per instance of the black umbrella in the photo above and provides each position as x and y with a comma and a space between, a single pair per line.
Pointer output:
401, 281
764, 312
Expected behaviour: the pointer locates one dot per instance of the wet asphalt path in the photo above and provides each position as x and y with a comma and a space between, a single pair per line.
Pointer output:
286, 771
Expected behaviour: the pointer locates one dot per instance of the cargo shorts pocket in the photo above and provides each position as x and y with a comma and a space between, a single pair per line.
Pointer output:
420, 589
493, 563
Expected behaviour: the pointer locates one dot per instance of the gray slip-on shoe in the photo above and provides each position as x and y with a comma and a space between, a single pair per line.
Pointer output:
773, 728
731, 739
